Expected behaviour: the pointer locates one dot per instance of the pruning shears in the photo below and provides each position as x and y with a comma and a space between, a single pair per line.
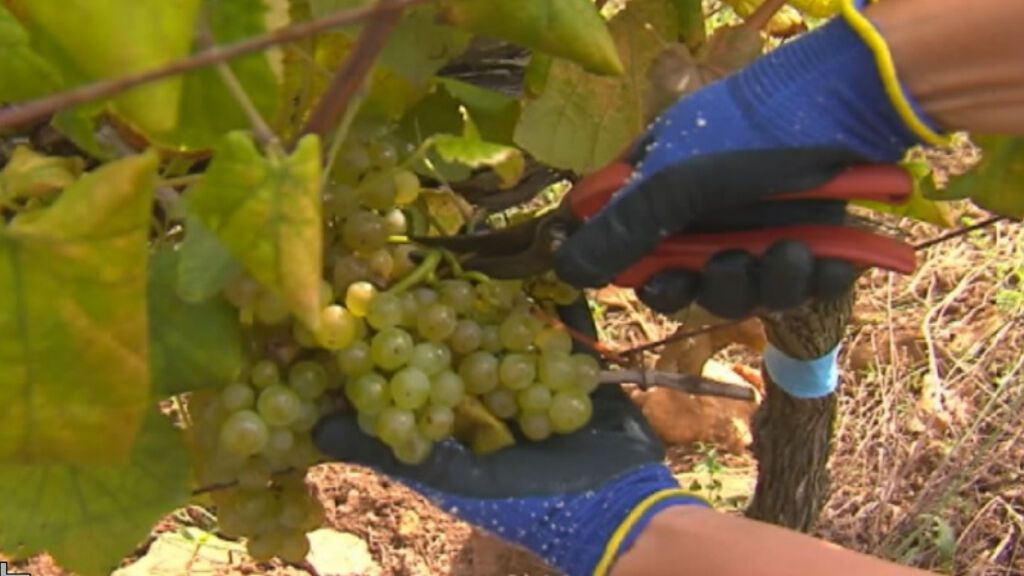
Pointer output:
528, 248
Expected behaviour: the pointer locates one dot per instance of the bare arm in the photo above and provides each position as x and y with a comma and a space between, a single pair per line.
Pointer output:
963, 61
685, 540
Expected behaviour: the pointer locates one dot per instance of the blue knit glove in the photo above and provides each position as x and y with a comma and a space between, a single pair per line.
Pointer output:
813, 107
578, 501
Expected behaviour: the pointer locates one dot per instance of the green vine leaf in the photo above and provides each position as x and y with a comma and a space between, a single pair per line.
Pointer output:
107, 38
996, 183
267, 211
29, 174
25, 73
74, 378
919, 206
582, 120
571, 29
205, 265
90, 516
470, 150
193, 346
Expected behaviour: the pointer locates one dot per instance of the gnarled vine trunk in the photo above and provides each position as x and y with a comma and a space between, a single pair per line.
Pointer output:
793, 437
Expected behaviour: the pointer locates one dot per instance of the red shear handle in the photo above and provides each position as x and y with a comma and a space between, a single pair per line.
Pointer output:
878, 182
692, 251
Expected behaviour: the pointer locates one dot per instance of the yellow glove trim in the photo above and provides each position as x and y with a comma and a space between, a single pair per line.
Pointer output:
887, 71
611, 551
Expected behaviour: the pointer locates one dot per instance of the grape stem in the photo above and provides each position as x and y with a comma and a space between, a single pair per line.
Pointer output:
229, 485
689, 383
420, 274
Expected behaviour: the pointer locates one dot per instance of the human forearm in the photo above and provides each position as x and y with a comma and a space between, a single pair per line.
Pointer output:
963, 63
690, 540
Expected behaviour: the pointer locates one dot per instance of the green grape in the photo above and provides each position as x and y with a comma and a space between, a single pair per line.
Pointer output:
407, 187
395, 425
436, 322
377, 191
355, 359
364, 232
263, 547
326, 293
308, 379
431, 358
304, 454
535, 425
293, 548
436, 422
425, 296
410, 388
280, 442
490, 339
342, 200
368, 393
237, 396
556, 371
338, 327
516, 332
242, 291
244, 433
385, 311
278, 405
309, 415
354, 157
401, 257
588, 372
264, 373
348, 269
381, 264
502, 403
517, 371
255, 505
458, 294
367, 423
413, 450
383, 154
467, 336
255, 475
534, 398
271, 309
552, 340
391, 348
294, 508
396, 222
502, 294
569, 411
479, 372
446, 389
358, 298
303, 336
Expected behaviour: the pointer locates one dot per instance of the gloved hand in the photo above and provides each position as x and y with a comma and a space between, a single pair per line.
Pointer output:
578, 501
820, 103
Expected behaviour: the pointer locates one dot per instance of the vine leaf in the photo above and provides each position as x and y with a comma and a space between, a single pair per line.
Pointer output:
74, 378
582, 120
106, 38
26, 74
90, 516
207, 109
815, 8
266, 210
995, 184
192, 346
205, 264
919, 206
470, 150
571, 29
29, 174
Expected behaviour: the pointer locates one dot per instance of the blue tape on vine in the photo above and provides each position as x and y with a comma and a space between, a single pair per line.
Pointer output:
803, 379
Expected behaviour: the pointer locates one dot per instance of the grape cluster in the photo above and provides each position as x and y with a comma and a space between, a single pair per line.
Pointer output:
405, 346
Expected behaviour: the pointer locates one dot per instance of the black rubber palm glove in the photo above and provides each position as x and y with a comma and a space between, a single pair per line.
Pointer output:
569, 499
715, 193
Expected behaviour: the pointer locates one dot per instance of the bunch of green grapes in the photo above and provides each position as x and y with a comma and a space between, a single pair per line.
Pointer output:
404, 346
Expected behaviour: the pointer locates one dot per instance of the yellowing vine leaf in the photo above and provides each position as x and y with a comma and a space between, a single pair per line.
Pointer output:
996, 183
571, 29
91, 515
74, 378
29, 174
816, 8
582, 120
107, 38
267, 211
470, 150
